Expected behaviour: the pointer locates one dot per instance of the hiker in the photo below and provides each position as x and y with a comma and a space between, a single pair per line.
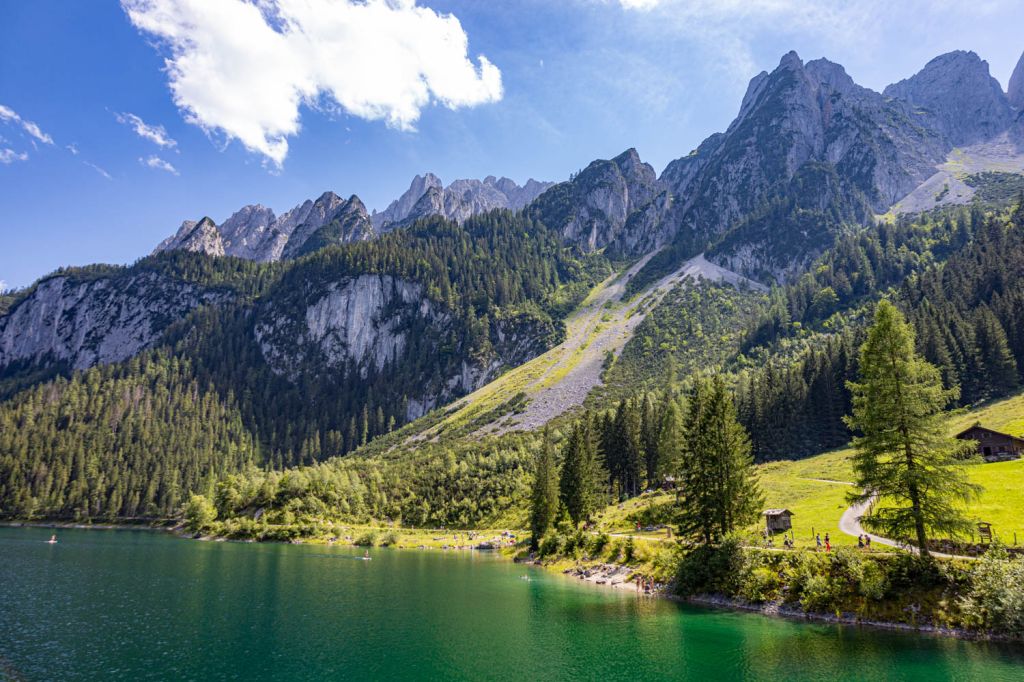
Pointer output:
817, 540
867, 541
860, 542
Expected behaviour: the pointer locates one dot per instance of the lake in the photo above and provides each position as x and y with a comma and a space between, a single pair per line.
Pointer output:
141, 605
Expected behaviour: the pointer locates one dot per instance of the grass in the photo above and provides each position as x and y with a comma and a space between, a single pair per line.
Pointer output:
815, 489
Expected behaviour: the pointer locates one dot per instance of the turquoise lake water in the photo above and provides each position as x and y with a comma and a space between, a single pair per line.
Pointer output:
136, 605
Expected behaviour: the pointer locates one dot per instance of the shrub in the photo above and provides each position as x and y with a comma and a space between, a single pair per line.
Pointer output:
600, 542
712, 569
874, 583
821, 593
200, 513
367, 539
390, 538
552, 545
760, 584
995, 598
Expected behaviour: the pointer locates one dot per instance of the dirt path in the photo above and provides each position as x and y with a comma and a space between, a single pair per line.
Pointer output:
849, 523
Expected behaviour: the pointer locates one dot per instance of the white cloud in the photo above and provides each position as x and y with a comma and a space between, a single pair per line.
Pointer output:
245, 67
159, 164
3, 285
8, 156
99, 170
154, 133
73, 148
8, 115
639, 4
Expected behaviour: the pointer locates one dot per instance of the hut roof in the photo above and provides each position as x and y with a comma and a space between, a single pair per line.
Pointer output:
776, 512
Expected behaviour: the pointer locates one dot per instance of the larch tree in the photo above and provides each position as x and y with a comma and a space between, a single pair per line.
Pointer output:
905, 460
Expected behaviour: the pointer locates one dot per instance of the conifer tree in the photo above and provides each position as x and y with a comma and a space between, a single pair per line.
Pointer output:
720, 490
904, 458
577, 487
544, 501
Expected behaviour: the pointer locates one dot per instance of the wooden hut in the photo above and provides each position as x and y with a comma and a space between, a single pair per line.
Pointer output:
777, 520
993, 445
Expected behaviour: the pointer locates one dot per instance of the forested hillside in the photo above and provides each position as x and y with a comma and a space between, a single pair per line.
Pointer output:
134, 437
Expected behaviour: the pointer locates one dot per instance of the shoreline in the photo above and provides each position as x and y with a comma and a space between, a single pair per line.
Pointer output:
617, 577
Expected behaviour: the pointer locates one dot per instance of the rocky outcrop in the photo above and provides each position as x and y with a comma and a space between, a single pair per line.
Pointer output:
375, 323
458, 201
254, 233
84, 322
592, 209
402, 207
251, 233
201, 237
331, 220
1015, 91
956, 96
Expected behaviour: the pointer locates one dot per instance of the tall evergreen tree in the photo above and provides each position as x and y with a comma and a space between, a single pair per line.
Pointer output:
904, 458
578, 485
544, 501
720, 491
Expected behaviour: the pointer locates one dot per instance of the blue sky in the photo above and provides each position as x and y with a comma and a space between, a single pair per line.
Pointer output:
105, 147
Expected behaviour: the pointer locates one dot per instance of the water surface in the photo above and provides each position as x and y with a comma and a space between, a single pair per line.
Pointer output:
140, 605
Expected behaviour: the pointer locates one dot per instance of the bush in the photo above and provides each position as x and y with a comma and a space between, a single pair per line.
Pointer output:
712, 569
760, 584
552, 545
874, 583
367, 539
600, 542
995, 599
200, 513
390, 538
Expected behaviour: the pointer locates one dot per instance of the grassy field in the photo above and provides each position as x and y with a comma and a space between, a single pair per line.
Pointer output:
815, 489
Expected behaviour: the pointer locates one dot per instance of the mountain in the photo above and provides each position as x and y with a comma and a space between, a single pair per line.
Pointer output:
201, 237
458, 201
810, 154
1015, 91
254, 233
955, 95
328, 330
592, 208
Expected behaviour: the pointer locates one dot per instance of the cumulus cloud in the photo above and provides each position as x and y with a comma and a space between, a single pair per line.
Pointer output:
244, 67
8, 156
154, 133
157, 163
8, 115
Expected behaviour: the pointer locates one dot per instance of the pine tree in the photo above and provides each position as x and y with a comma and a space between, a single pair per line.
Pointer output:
577, 487
544, 501
719, 490
904, 459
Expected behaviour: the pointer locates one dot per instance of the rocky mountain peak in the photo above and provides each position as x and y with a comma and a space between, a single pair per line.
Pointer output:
957, 96
463, 198
1015, 91
200, 237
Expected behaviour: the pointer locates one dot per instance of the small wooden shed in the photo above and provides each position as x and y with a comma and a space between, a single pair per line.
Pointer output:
777, 520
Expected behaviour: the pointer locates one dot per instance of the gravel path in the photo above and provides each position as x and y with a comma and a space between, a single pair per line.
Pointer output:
849, 523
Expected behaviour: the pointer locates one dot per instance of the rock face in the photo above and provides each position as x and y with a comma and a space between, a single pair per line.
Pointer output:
250, 233
809, 151
254, 233
592, 209
373, 324
1015, 91
330, 220
201, 237
956, 96
95, 321
458, 201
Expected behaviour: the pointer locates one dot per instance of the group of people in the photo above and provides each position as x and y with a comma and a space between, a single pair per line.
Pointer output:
828, 542
864, 541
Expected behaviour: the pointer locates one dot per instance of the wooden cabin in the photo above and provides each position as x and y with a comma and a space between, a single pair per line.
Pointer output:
993, 445
777, 520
